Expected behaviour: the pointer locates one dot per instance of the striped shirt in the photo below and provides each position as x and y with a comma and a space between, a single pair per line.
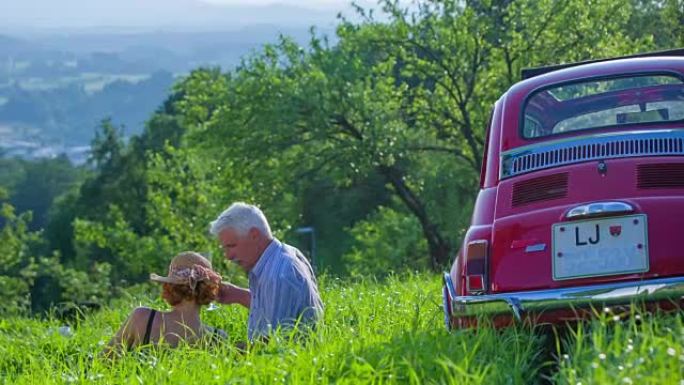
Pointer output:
283, 291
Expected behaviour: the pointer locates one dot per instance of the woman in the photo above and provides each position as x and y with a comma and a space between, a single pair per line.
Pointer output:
190, 283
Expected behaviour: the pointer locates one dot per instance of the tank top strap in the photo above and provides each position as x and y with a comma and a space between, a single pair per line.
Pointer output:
148, 330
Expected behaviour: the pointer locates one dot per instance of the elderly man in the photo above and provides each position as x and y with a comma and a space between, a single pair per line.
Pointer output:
282, 287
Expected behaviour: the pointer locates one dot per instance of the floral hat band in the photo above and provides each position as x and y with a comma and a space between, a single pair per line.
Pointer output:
189, 268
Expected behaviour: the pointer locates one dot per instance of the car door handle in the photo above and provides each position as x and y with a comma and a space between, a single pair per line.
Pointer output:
599, 209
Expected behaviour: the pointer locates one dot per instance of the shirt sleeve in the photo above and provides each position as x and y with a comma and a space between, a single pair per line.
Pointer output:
295, 298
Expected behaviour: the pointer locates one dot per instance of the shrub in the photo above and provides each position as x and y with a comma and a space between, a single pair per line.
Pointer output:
387, 241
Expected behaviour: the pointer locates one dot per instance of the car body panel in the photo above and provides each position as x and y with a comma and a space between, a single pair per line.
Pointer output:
515, 211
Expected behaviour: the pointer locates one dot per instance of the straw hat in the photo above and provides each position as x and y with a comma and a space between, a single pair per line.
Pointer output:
188, 268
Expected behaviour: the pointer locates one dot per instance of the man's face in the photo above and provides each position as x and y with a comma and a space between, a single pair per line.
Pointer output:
241, 249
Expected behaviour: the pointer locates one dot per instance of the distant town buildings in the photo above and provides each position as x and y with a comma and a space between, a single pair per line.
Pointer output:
24, 149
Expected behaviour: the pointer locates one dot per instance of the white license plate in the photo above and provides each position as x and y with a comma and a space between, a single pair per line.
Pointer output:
596, 247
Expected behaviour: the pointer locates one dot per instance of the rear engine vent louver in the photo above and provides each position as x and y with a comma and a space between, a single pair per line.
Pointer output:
660, 175
599, 147
540, 189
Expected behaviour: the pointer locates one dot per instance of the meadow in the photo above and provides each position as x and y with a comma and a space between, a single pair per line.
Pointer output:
388, 332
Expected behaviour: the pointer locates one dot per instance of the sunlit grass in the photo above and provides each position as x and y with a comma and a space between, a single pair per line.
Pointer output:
643, 349
374, 332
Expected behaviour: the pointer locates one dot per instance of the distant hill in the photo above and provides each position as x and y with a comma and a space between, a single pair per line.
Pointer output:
77, 61
165, 14
11, 45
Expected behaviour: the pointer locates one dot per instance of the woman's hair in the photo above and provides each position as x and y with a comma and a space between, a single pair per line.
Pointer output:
203, 293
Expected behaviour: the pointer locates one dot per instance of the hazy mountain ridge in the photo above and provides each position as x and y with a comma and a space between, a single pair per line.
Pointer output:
58, 58
156, 14
52, 97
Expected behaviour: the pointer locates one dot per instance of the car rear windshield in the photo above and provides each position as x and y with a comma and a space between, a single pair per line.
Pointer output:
603, 103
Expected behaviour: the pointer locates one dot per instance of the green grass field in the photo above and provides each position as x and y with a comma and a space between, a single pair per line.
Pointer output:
374, 332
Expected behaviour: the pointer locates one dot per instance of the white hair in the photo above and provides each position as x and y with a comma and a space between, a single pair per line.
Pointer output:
241, 217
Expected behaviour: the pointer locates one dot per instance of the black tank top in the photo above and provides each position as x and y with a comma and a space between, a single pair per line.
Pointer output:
146, 339
215, 334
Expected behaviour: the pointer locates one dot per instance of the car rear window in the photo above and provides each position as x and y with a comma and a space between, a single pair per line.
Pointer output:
603, 103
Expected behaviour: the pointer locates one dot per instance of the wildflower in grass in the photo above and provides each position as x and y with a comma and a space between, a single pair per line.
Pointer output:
602, 356
594, 365
671, 352
621, 368
627, 380
629, 348
616, 318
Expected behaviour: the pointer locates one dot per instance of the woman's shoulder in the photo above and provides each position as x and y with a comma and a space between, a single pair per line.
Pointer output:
140, 316
141, 312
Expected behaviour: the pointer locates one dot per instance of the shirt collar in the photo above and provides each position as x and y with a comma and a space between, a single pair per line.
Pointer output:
270, 251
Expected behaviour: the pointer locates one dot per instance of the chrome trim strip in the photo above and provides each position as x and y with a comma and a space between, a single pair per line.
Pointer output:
449, 285
599, 208
573, 150
537, 247
519, 303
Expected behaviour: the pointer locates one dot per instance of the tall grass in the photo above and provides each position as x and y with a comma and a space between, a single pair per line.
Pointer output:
644, 349
379, 333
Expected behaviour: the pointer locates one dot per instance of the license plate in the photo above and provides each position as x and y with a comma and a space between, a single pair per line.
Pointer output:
597, 247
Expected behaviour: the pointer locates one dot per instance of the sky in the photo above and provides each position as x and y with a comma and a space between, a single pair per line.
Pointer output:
167, 14
320, 4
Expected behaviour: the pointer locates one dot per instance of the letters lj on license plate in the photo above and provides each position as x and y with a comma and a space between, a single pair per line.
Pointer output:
596, 247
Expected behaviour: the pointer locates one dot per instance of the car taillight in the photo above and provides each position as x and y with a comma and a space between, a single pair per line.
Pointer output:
476, 266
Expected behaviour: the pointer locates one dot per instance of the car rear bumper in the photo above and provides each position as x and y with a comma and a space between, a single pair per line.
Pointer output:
521, 304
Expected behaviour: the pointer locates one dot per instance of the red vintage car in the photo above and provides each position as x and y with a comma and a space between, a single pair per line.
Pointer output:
581, 201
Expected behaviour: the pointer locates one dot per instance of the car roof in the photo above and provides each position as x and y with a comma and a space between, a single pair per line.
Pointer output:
653, 64
513, 100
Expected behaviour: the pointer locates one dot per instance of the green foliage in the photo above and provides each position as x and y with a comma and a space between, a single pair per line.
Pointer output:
387, 241
327, 208
395, 99
17, 265
35, 185
72, 285
30, 282
375, 141
43, 182
183, 196
389, 333
660, 21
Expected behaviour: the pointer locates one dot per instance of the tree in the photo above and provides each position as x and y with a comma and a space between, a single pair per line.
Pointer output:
17, 265
43, 181
395, 99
